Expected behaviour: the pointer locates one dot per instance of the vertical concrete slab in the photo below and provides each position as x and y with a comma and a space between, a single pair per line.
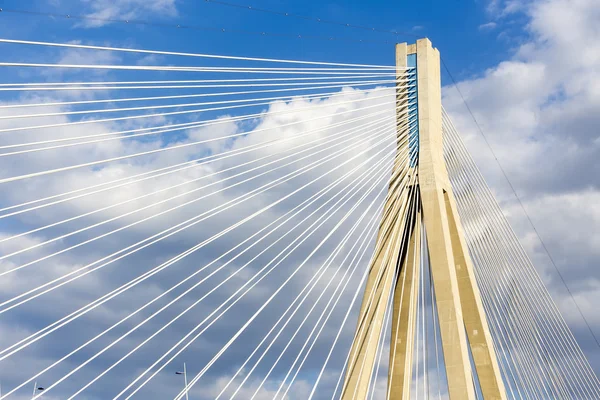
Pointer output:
391, 242
404, 319
480, 338
433, 178
392, 272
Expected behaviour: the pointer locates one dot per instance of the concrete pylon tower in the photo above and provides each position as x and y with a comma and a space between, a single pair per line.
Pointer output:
420, 208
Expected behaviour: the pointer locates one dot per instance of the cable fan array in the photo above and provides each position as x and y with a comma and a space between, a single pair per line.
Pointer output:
538, 355
156, 212
163, 208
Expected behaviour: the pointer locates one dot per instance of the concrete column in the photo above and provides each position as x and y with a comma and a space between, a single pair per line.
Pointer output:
404, 319
393, 272
394, 233
381, 278
433, 179
480, 338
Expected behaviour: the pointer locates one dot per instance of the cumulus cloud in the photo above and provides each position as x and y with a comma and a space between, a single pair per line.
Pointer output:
279, 120
488, 26
101, 11
538, 109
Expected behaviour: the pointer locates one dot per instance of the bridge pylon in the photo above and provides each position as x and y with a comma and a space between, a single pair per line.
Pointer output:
420, 216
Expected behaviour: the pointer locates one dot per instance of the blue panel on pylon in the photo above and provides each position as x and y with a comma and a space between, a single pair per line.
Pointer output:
413, 110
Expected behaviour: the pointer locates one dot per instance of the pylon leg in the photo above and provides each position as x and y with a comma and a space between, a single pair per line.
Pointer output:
383, 270
433, 179
480, 338
382, 274
458, 301
404, 318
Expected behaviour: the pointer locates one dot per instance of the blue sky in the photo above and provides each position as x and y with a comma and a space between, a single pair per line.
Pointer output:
534, 94
469, 49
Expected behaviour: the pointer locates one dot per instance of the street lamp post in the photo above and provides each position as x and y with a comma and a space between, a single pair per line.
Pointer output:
184, 373
35, 389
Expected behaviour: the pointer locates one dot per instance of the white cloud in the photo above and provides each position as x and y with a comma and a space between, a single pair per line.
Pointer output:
527, 105
105, 10
314, 114
538, 109
489, 26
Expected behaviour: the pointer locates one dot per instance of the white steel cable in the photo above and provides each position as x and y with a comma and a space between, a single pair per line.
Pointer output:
108, 296
163, 367
48, 332
519, 256
436, 344
400, 209
154, 115
313, 198
296, 332
155, 151
515, 316
359, 287
351, 131
370, 226
150, 82
415, 300
356, 293
526, 364
380, 346
418, 265
524, 354
115, 292
514, 248
350, 355
476, 259
527, 329
342, 280
349, 309
509, 236
205, 160
132, 223
148, 175
392, 192
198, 86
393, 350
253, 285
540, 307
405, 212
495, 323
127, 134
336, 251
423, 316
155, 235
324, 140
319, 325
242, 367
236, 70
159, 130
136, 99
170, 105
333, 230
199, 55
304, 359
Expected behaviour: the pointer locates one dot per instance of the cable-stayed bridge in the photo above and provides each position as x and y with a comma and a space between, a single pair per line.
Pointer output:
266, 228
